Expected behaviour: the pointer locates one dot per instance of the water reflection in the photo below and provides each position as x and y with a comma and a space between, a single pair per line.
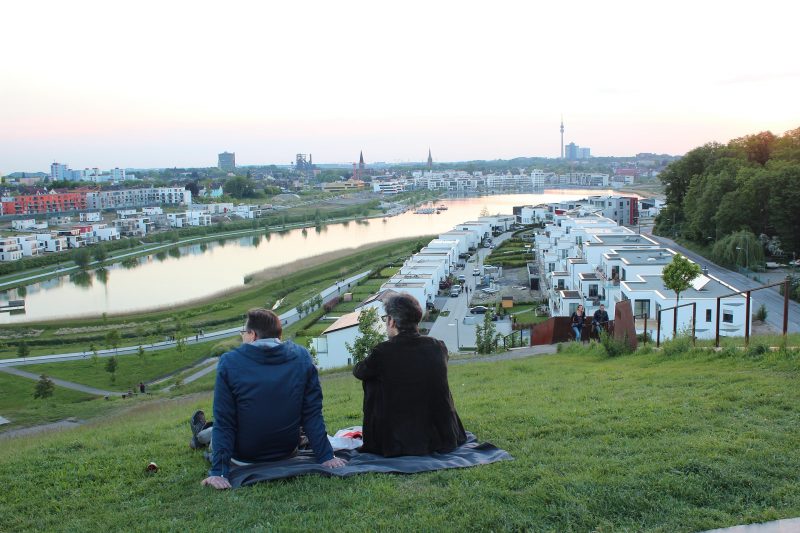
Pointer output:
199, 270
81, 279
102, 275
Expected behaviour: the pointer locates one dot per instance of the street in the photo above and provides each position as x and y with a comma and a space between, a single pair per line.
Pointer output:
771, 299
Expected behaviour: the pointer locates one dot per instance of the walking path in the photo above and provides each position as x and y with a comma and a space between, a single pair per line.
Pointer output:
61, 382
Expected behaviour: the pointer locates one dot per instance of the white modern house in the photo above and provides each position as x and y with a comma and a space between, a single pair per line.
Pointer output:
51, 242
29, 245
10, 249
28, 224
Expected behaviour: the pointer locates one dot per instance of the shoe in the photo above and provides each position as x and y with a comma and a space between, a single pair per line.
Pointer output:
197, 423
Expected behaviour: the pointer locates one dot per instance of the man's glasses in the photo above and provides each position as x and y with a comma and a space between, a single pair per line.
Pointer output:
385, 319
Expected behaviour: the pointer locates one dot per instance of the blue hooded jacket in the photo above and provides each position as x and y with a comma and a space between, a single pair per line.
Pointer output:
261, 398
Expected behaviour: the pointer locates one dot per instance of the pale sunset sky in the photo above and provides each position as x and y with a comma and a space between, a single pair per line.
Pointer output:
173, 83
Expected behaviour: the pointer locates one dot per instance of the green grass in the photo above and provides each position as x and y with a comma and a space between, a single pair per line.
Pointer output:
132, 368
18, 405
635, 443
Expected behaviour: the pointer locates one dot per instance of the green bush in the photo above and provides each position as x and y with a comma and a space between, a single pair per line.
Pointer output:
614, 347
676, 346
757, 350
761, 314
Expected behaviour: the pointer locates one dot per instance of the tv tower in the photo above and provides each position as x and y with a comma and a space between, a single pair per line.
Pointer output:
562, 136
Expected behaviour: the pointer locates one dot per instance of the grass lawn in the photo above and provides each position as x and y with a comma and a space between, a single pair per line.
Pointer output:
132, 369
643, 442
18, 405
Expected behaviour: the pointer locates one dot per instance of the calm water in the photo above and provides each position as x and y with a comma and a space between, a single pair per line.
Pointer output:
202, 270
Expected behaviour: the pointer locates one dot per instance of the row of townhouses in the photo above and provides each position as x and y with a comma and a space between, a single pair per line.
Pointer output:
419, 276
583, 257
16, 247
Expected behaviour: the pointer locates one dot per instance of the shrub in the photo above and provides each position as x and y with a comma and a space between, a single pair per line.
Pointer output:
756, 350
676, 346
761, 314
614, 347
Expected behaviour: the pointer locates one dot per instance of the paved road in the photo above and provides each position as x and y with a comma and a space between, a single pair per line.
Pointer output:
771, 299
289, 317
60, 382
451, 329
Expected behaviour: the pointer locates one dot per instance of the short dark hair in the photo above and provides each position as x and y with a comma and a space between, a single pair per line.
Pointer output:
264, 323
404, 310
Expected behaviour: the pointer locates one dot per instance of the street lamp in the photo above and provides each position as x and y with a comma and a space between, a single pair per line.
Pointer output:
458, 341
746, 256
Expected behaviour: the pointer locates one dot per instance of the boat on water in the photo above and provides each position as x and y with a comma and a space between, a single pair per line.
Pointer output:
425, 211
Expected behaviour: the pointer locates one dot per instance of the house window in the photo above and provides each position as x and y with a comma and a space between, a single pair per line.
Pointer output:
592, 291
551, 267
727, 317
623, 275
560, 284
708, 315
641, 308
573, 307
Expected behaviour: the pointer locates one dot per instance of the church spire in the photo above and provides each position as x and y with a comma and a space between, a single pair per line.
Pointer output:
430, 160
562, 136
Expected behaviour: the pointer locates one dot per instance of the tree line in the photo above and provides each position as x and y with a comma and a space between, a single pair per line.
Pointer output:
740, 197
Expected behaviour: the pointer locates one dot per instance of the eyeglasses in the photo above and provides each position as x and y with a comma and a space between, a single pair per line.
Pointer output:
385, 319
242, 331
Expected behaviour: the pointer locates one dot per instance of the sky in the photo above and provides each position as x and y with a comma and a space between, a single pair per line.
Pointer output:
173, 83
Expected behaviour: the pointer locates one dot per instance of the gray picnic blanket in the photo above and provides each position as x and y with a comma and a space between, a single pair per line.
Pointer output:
471, 453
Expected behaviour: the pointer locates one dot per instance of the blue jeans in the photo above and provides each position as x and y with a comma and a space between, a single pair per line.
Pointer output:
577, 331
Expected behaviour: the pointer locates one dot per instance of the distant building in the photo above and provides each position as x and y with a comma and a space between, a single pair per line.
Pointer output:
227, 161
430, 160
31, 204
575, 152
117, 174
138, 197
59, 172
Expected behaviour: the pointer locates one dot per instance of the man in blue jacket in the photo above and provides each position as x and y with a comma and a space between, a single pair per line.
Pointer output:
265, 391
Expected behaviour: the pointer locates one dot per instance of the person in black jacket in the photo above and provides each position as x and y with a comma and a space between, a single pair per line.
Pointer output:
408, 408
600, 319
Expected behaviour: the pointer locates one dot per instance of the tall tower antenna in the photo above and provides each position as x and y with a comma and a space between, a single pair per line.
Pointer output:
562, 136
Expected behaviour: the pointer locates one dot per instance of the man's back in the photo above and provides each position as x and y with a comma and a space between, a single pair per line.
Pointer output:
261, 398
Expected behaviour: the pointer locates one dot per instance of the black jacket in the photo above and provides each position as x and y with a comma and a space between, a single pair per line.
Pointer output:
600, 317
408, 408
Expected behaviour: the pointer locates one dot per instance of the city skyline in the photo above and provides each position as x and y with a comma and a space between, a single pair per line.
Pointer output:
175, 84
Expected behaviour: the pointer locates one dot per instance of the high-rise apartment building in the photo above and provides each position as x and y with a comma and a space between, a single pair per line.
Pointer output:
59, 172
227, 161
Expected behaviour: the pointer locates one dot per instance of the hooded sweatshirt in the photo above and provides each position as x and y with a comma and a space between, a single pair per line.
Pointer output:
263, 393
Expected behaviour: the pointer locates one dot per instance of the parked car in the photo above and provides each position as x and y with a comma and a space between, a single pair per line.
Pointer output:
476, 271
479, 310
430, 306
462, 278
455, 291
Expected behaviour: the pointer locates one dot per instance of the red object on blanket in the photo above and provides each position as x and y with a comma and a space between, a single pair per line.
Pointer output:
352, 435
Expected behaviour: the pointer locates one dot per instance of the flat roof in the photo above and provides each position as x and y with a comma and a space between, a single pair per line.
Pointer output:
619, 239
710, 287
570, 295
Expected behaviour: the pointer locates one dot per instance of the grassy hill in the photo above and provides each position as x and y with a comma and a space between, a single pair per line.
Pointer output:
645, 442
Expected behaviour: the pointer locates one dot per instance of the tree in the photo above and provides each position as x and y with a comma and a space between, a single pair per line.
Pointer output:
95, 356
22, 349
239, 187
112, 339
140, 352
111, 367
486, 335
369, 336
81, 257
678, 275
193, 188
44, 388
100, 253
